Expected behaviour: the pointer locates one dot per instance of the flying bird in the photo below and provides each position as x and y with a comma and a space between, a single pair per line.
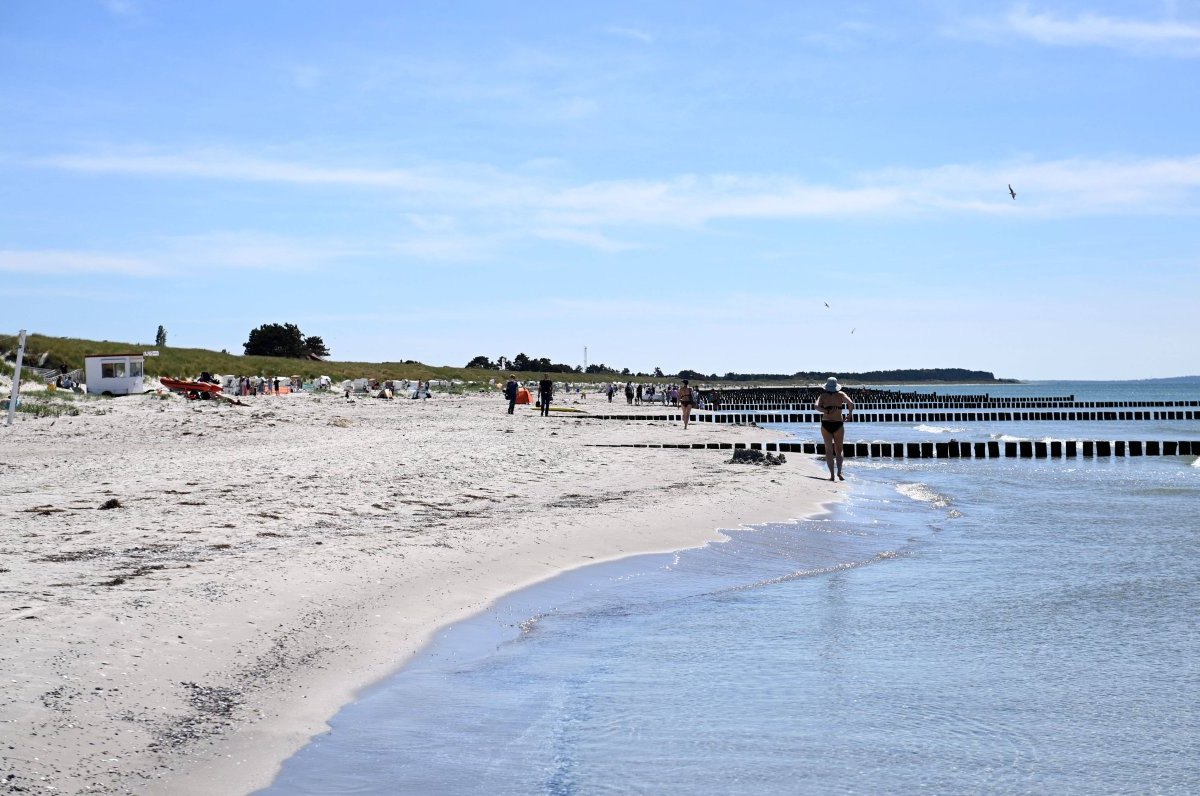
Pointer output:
852, 330
826, 303
1011, 192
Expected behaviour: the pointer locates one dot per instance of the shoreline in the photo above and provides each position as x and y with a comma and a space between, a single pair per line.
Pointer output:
276, 560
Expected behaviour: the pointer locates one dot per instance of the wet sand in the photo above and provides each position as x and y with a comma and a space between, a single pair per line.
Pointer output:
264, 563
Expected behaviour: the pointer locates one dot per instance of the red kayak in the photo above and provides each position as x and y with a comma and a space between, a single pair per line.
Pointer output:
190, 387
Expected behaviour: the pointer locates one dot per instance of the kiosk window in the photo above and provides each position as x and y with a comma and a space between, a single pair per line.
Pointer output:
135, 369
112, 370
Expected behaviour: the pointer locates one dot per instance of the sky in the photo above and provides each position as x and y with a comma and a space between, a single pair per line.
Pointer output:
751, 187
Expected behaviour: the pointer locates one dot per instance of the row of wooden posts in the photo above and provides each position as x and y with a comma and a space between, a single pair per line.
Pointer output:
744, 418
958, 406
992, 449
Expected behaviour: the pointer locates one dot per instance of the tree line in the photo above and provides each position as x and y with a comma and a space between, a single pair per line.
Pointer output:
524, 363
286, 340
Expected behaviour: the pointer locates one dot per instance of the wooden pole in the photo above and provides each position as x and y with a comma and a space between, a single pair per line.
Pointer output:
16, 382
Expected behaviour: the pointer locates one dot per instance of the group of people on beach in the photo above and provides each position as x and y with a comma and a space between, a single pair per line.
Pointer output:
254, 385
636, 395
545, 389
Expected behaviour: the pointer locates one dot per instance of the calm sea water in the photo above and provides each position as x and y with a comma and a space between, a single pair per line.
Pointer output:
955, 627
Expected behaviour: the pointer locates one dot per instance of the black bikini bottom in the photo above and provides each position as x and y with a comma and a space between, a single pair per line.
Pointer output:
832, 426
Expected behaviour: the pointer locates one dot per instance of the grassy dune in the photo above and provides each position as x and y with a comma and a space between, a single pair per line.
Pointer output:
54, 352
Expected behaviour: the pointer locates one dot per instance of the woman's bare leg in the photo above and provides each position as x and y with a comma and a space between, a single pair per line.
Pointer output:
839, 438
687, 412
828, 451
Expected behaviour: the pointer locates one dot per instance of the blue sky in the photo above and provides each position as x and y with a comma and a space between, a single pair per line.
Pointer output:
675, 185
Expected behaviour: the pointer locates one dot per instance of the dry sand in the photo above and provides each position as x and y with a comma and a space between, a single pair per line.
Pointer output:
267, 562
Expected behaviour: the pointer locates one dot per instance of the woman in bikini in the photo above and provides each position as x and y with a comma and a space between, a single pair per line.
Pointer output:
685, 402
833, 426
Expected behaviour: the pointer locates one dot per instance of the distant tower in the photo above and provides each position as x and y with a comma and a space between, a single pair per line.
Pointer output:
585, 359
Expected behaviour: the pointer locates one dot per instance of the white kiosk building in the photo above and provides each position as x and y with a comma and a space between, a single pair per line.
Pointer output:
113, 374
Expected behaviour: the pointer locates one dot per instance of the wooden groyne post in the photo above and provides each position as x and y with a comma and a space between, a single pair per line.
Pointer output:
992, 449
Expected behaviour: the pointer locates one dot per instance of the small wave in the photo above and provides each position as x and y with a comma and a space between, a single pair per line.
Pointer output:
1196, 462
924, 494
924, 429
1008, 438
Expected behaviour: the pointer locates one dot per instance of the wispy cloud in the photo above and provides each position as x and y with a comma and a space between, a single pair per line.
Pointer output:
188, 255
591, 240
305, 76
1169, 37
67, 293
70, 263
1061, 188
575, 108
629, 33
254, 251
122, 8
526, 203
231, 166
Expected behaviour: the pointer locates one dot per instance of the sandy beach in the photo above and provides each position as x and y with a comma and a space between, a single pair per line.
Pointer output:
260, 565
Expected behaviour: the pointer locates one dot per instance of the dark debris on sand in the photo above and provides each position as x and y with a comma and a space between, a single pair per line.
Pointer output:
213, 708
748, 456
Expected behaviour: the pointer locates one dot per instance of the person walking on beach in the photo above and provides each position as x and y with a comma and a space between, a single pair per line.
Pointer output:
545, 393
833, 426
510, 392
685, 402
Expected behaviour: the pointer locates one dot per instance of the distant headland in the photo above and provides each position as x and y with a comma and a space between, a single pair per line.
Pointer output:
899, 376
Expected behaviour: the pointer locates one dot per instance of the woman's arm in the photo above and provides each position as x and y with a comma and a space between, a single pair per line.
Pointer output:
849, 402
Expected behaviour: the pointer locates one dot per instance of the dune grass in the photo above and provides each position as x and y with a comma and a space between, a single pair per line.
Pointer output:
184, 363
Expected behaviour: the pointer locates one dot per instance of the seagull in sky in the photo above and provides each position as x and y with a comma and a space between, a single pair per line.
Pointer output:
1011, 192
826, 303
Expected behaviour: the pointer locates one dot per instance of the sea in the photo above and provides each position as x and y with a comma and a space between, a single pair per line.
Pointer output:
995, 626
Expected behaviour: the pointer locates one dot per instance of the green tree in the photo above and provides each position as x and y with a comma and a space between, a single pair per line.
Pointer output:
316, 346
160, 339
481, 362
276, 340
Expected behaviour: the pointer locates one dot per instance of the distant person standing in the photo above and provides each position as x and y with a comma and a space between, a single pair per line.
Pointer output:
629, 393
686, 398
510, 392
833, 426
545, 393
638, 395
